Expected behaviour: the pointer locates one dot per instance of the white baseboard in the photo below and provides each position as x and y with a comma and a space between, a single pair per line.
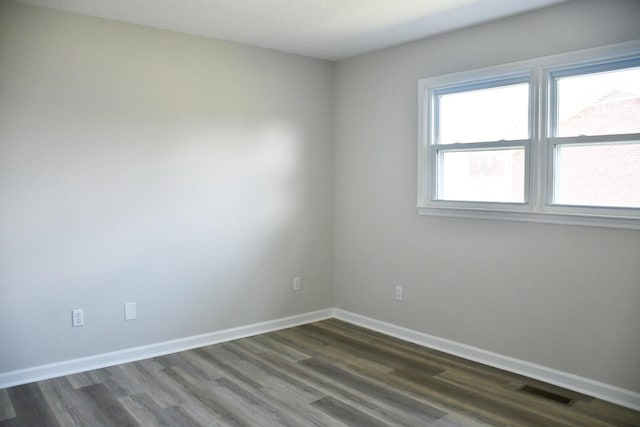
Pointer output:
620, 396
67, 367
610, 393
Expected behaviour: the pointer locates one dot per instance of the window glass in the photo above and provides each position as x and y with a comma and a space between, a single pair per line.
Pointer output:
489, 176
598, 175
491, 114
599, 103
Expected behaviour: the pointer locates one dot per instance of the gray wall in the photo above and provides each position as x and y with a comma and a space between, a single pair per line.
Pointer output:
191, 176
561, 296
196, 177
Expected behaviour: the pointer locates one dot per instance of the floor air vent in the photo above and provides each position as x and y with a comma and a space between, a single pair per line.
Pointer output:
546, 395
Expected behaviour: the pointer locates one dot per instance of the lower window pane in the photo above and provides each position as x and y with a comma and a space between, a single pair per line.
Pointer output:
483, 176
598, 175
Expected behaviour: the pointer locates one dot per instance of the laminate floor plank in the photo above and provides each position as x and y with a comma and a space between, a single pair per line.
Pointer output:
345, 413
276, 387
473, 404
399, 348
251, 345
6, 408
151, 365
413, 407
608, 412
365, 368
154, 385
104, 408
277, 411
324, 374
113, 379
144, 410
191, 413
457, 420
380, 354
403, 354
231, 364
531, 408
354, 398
62, 399
81, 379
289, 383
202, 394
163, 391
31, 408
288, 398
286, 351
301, 336
200, 366
148, 414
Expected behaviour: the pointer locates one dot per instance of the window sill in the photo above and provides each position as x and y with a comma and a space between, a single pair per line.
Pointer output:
537, 217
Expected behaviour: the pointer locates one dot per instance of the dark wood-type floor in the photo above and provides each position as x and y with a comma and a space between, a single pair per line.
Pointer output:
328, 373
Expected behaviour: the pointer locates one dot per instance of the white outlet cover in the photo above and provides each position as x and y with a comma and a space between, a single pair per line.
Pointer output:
130, 311
77, 317
296, 284
399, 295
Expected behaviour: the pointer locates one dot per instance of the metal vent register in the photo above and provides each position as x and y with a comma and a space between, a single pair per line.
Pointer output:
546, 395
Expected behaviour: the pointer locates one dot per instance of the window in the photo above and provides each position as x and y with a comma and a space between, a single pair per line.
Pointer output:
595, 135
550, 140
481, 136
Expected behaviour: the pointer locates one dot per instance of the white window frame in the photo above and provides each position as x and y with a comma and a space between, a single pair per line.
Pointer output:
538, 205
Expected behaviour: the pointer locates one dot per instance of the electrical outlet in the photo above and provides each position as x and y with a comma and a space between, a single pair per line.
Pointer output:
399, 293
77, 317
130, 311
296, 284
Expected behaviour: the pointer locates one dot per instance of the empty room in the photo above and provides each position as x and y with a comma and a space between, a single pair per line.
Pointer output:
319, 213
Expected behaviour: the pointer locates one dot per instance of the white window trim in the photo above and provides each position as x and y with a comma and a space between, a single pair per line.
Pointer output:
538, 154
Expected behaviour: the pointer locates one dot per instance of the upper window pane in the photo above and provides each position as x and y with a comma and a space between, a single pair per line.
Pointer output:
482, 115
599, 103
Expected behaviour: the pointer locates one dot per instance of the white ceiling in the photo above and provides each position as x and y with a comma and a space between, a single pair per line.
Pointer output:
328, 29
